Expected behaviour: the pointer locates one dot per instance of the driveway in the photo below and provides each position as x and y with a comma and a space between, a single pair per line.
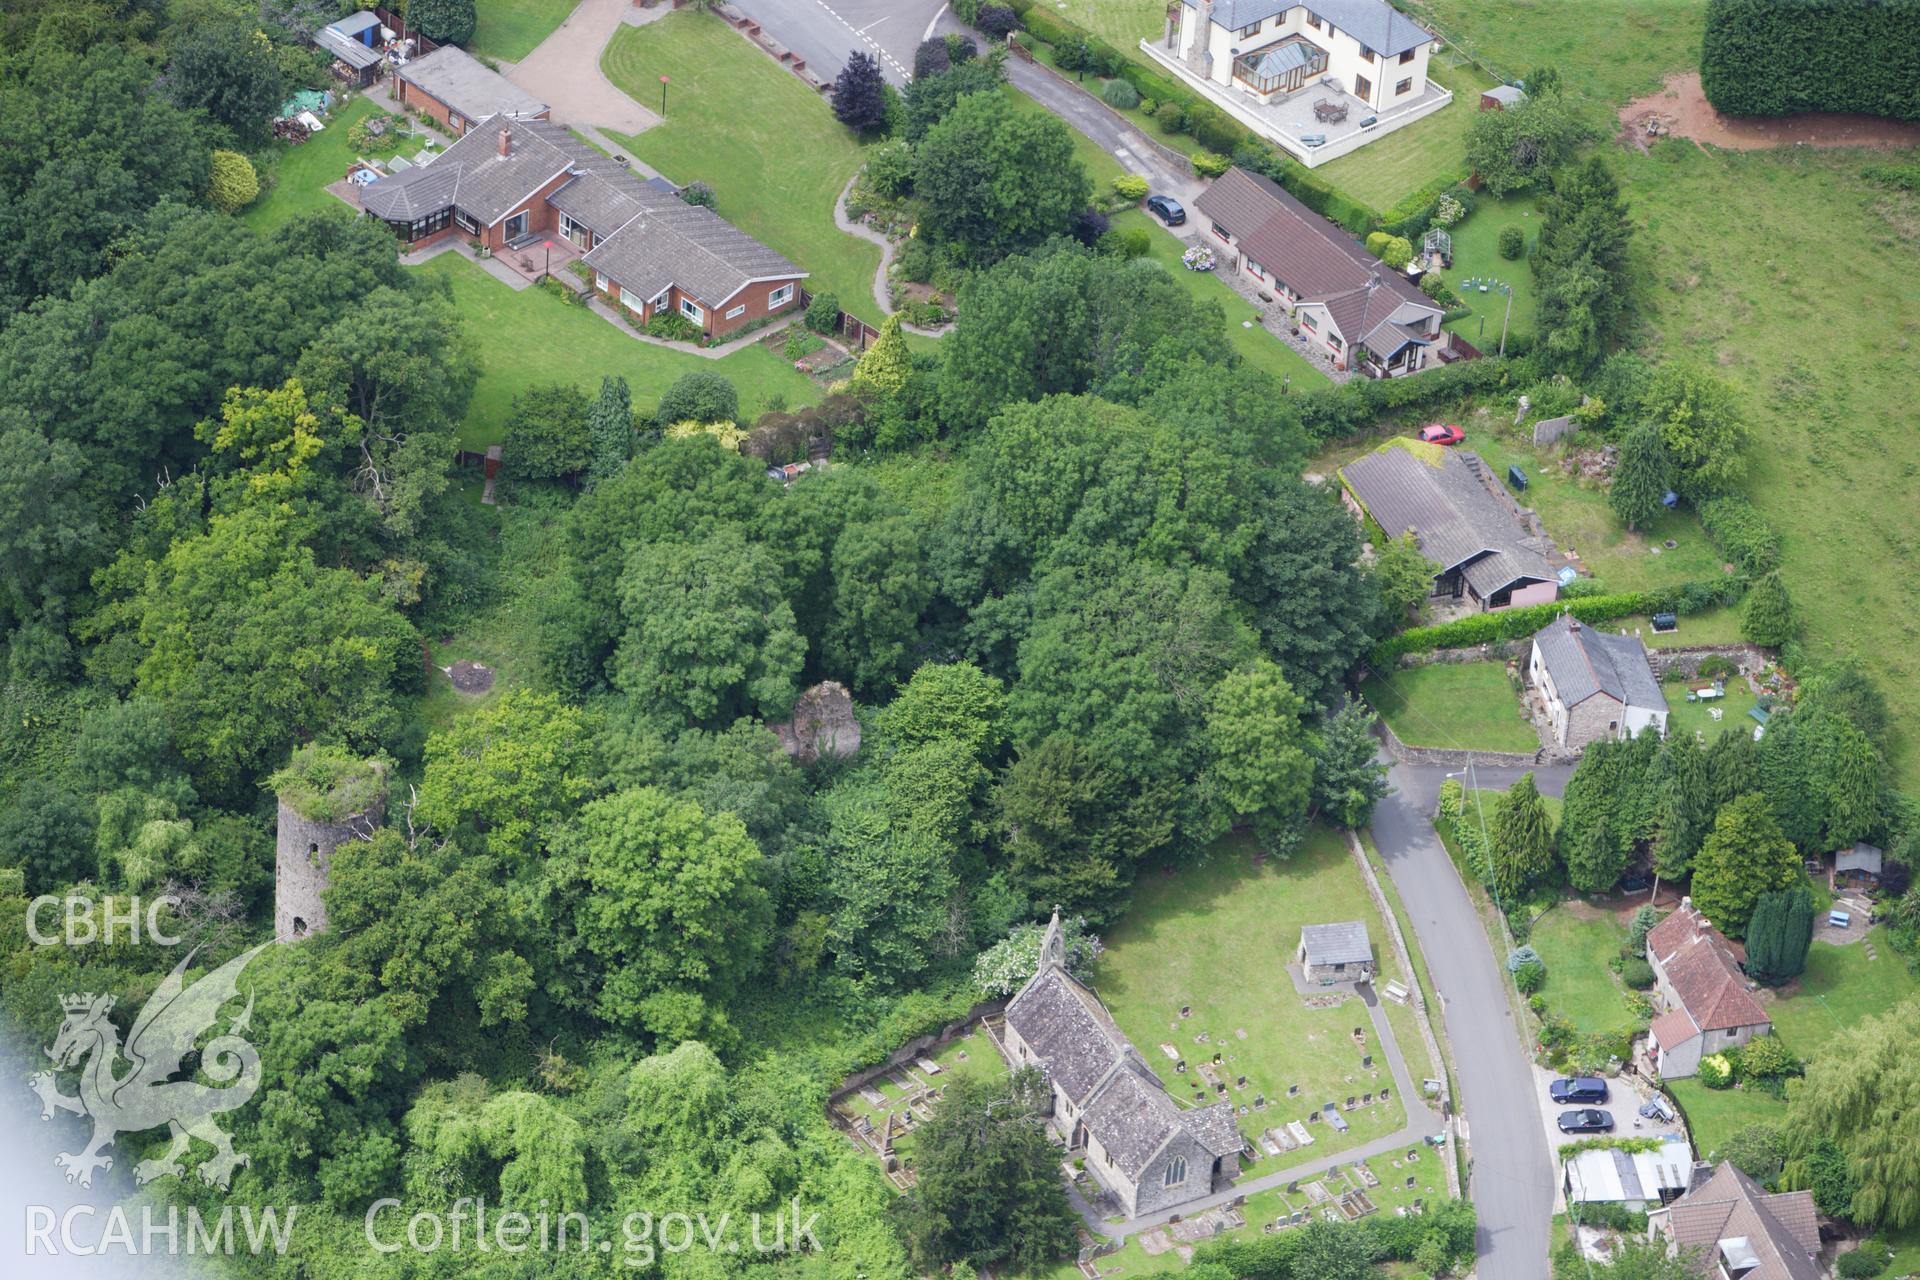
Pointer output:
1512, 1178
824, 32
564, 72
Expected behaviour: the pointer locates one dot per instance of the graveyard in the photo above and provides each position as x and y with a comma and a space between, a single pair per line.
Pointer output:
882, 1114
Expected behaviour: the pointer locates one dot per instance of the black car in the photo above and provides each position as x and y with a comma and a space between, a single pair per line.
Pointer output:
1586, 1120
1578, 1090
1167, 209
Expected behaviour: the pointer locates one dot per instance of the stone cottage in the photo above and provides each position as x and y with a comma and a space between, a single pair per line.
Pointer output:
1335, 952
1594, 686
1148, 1151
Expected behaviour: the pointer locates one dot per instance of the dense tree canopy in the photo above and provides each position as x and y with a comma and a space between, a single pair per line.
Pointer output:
995, 180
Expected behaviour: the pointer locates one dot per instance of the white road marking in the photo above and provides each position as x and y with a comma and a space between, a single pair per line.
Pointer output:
862, 36
871, 25
928, 33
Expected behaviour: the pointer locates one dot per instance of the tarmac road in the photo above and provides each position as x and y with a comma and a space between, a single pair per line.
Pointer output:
825, 31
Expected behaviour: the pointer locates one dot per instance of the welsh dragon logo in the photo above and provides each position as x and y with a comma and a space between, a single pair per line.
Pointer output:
144, 1097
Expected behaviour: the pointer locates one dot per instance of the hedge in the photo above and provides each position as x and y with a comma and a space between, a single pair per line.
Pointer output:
1513, 624
1359, 403
1765, 58
1743, 535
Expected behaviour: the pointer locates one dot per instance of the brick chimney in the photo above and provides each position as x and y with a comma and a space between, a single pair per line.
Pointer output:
506, 143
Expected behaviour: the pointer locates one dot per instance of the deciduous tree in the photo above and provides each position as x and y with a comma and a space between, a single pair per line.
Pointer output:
995, 180
1862, 1094
1261, 766
1348, 779
506, 774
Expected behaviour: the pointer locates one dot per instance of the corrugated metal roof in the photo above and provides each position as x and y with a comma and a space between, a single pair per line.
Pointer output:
346, 48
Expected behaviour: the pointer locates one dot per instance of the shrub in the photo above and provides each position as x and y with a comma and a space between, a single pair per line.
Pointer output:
1130, 186
232, 184
698, 193
1716, 667
699, 396
801, 344
823, 313
1767, 618
1716, 1072
1136, 242
1765, 1058
1172, 117
1520, 957
1529, 977
1210, 164
1513, 243
1448, 210
1512, 624
1120, 95
1377, 243
1215, 130
1452, 794
968, 11
447, 21
997, 22
1537, 1003
1643, 920
1398, 252
1869, 1260
932, 58
1636, 973
1743, 535
671, 326
1758, 59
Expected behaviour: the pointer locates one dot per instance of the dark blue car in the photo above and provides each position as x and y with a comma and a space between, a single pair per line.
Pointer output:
1167, 209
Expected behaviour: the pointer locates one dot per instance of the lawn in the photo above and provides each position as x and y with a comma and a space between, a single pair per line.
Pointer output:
1714, 1115
1399, 163
1452, 704
1577, 944
1841, 988
1834, 420
1715, 626
1685, 717
1262, 349
768, 146
510, 29
528, 337
1476, 256
1214, 938
301, 173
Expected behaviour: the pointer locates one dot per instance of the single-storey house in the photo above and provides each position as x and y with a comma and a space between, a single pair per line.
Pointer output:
1459, 520
358, 44
1634, 1180
1707, 1000
1147, 1150
1858, 865
460, 91
1364, 314
1320, 77
1738, 1231
1596, 686
510, 182
1335, 952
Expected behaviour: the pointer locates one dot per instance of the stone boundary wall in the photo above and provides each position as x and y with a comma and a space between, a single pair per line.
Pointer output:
1416, 997
915, 1048
1550, 430
1750, 659
1458, 758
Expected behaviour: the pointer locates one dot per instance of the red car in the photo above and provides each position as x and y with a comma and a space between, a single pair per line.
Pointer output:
1442, 434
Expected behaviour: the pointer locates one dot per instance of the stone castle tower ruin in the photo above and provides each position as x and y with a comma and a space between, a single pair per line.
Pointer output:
327, 798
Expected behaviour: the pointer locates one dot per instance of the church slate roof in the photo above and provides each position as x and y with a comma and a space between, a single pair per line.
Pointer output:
1075, 1037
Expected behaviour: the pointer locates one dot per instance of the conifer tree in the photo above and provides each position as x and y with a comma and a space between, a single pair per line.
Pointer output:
1522, 839
610, 429
1642, 477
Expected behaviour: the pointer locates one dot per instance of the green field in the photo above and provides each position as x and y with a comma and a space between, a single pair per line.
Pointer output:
1396, 165
1262, 349
768, 145
528, 337
510, 29
1609, 52
1576, 946
1834, 417
1452, 704
1214, 938
301, 173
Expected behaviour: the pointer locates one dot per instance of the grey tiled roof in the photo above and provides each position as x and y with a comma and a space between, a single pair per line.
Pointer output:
473, 176
1862, 857
469, 86
1374, 23
1069, 1031
673, 242
1455, 518
1584, 662
1133, 1120
1342, 943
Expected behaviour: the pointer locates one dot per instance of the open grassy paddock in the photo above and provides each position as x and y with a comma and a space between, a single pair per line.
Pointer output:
1215, 938
1452, 704
529, 337
768, 145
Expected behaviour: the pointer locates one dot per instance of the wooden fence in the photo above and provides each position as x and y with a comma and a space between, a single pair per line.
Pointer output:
854, 331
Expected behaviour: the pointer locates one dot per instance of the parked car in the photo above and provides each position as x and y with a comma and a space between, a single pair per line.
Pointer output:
1442, 433
1586, 1120
1167, 209
1578, 1089
1635, 883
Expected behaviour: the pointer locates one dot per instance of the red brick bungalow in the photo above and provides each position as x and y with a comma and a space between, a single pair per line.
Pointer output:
459, 91
511, 182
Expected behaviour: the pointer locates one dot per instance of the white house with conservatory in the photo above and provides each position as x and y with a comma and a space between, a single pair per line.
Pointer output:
1321, 78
